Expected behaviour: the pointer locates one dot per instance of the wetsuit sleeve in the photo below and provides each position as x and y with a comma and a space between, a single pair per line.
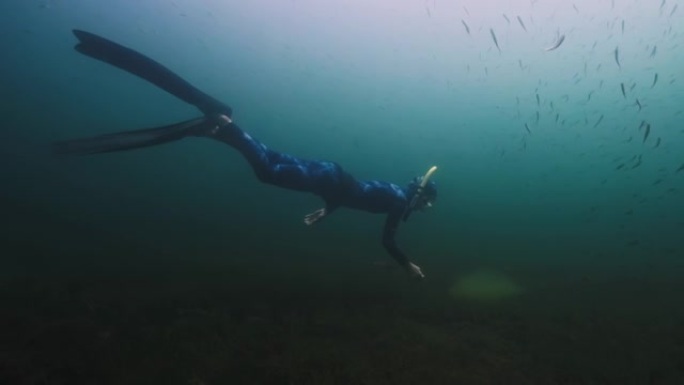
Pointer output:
388, 241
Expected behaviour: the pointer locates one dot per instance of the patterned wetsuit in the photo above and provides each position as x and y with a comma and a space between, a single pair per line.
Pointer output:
325, 179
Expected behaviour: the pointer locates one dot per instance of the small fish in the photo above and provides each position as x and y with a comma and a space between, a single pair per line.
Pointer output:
653, 51
657, 143
598, 121
622, 87
528, 128
466, 26
643, 123
662, 4
537, 99
575, 7
657, 182
638, 104
647, 131
638, 162
631, 88
674, 9
620, 166
557, 44
557, 116
506, 17
681, 168
496, 42
655, 80
521, 23
623, 27
537, 120
616, 54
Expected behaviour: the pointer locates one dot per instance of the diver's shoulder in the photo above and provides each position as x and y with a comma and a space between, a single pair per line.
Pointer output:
385, 186
381, 184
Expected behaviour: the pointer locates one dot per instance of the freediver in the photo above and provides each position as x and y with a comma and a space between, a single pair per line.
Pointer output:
325, 179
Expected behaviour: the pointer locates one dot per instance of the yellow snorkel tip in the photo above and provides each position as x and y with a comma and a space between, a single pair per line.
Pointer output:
423, 182
427, 176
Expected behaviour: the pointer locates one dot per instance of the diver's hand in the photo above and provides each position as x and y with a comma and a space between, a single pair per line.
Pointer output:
315, 216
415, 271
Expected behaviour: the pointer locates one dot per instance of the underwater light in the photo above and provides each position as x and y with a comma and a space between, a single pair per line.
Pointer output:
484, 285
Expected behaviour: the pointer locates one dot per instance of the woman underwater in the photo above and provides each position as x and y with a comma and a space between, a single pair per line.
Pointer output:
326, 179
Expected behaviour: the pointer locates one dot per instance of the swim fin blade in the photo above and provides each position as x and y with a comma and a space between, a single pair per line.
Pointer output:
142, 66
127, 140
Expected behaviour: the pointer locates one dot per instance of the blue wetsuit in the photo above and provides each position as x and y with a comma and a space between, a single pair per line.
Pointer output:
325, 179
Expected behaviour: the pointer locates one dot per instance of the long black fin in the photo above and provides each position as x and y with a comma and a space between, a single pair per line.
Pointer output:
129, 140
140, 65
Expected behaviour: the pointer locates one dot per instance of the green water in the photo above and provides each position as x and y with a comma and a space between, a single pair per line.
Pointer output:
553, 255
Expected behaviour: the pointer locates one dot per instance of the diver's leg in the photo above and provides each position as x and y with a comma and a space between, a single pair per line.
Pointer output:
129, 140
140, 65
276, 168
269, 166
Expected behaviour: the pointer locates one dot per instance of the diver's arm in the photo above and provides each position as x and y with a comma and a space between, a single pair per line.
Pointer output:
388, 241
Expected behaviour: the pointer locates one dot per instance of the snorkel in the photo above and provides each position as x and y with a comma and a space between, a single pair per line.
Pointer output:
419, 192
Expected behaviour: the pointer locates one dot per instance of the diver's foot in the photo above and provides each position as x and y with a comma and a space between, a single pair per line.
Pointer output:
211, 126
219, 122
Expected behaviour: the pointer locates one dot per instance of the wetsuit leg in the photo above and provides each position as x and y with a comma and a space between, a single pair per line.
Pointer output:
320, 177
323, 178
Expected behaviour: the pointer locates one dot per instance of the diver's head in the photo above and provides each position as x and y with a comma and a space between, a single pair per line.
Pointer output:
426, 196
420, 197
